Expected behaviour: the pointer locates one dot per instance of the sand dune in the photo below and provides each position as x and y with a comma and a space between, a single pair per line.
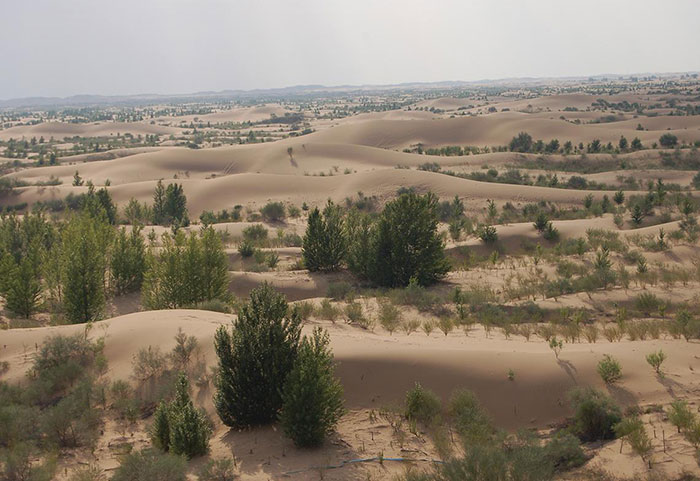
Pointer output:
376, 369
256, 189
495, 129
60, 130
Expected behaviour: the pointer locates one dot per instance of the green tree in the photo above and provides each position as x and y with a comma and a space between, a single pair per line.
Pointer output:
186, 270
85, 244
188, 426
521, 143
77, 180
359, 232
407, 244
324, 246
214, 266
619, 197
312, 399
637, 215
623, 144
668, 140
128, 262
159, 203
255, 358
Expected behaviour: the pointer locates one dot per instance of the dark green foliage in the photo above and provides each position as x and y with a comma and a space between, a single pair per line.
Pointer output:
17, 464
23, 243
521, 143
255, 358
668, 140
619, 197
359, 232
324, 246
487, 234
128, 261
312, 396
595, 415
170, 205
160, 429
85, 243
188, 427
564, 452
422, 405
273, 211
406, 243
187, 270
99, 203
20, 286
149, 465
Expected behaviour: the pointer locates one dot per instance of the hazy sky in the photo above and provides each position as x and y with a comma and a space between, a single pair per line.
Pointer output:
67, 47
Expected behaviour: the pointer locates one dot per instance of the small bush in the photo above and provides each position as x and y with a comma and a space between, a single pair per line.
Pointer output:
487, 234
564, 452
680, 415
422, 405
246, 248
221, 469
151, 465
595, 415
609, 369
255, 233
470, 420
339, 291
305, 309
655, 359
354, 313
273, 212
328, 310
389, 316
179, 427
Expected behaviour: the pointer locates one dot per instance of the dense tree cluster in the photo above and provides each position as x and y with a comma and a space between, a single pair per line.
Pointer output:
267, 371
400, 244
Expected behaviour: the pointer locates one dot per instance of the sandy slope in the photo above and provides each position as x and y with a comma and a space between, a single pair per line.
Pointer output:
495, 129
256, 189
376, 369
60, 130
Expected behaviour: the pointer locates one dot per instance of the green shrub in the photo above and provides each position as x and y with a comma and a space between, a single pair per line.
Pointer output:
273, 211
647, 303
255, 233
246, 248
312, 395
609, 369
405, 243
324, 244
655, 359
305, 309
17, 464
353, 312
564, 452
680, 415
487, 234
422, 406
328, 310
148, 465
339, 291
470, 420
595, 415
221, 469
88, 473
255, 358
389, 316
